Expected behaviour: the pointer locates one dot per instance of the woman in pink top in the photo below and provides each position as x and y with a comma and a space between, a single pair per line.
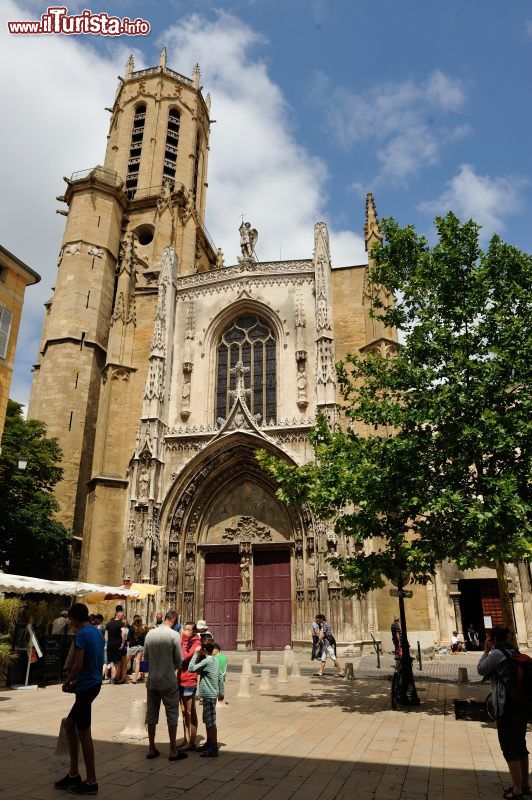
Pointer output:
188, 685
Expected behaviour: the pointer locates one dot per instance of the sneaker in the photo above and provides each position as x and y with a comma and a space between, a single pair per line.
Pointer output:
203, 747
210, 752
68, 782
84, 788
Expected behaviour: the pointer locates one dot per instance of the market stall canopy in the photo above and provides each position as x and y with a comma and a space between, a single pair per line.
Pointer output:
137, 590
22, 584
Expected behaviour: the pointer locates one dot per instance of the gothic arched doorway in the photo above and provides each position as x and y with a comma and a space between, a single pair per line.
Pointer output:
237, 556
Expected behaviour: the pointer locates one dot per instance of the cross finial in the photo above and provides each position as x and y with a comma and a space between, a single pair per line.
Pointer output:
240, 392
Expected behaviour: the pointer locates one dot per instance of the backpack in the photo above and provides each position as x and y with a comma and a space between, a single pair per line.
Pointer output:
519, 684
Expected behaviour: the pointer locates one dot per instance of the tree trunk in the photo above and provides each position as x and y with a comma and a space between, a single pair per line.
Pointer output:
506, 603
409, 695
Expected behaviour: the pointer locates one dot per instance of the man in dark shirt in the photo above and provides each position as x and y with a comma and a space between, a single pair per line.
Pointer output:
85, 680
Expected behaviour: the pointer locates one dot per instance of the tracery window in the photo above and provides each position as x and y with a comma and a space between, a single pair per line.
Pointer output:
251, 340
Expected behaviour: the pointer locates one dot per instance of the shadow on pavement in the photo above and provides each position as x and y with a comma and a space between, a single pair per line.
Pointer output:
29, 769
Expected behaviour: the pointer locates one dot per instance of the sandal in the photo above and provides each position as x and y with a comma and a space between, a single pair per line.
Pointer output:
155, 754
509, 794
340, 674
318, 675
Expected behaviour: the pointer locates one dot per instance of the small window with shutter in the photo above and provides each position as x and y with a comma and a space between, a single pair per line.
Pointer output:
5, 326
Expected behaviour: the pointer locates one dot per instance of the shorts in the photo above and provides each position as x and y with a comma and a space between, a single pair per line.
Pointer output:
80, 713
328, 650
188, 691
134, 650
170, 698
511, 730
114, 654
209, 711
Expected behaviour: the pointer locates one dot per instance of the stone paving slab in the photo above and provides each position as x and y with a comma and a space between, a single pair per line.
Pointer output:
308, 739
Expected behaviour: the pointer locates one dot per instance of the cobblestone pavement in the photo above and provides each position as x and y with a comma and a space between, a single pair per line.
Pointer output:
306, 739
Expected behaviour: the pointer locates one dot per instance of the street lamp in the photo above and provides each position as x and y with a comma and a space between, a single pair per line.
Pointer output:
22, 462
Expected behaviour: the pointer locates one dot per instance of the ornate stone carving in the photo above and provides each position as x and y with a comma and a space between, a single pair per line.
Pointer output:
124, 306
137, 567
325, 358
153, 567
299, 571
97, 252
188, 363
219, 259
190, 573
172, 572
301, 354
245, 574
247, 528
72, 249
311, 570
143, 491
248, 240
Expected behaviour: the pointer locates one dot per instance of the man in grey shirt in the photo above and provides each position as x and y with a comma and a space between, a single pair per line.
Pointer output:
510, 713
162, 648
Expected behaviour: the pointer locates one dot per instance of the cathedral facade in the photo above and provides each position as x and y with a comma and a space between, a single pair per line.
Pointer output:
162, 371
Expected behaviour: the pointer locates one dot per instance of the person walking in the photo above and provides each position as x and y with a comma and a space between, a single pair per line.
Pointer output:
211, 689
511, 711
329, 647
188, 684
85, 680
473, 641
162, 648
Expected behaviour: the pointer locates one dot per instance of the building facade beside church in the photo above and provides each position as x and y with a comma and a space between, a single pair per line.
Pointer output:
162, 371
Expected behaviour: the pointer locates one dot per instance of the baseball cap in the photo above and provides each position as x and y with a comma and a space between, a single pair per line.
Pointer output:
201, 625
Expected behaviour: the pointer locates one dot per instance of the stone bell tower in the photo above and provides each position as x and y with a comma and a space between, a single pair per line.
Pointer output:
148, 195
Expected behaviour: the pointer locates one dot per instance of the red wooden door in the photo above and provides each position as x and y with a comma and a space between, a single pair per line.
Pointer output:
222, 588
271, 600
491, 601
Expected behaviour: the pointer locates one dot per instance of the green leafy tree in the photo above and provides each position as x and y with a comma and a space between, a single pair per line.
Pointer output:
433, 460
32, 541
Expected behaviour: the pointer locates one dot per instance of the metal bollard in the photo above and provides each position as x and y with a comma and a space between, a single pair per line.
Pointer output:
258, 656
349, 672
419, 656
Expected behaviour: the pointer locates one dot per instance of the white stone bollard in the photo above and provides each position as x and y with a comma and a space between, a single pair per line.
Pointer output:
288, 657
282, 674
296, 670
136, 727
264, 684
462, 675
243, 689
246, 667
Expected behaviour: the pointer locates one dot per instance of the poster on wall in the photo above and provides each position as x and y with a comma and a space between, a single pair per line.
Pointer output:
487, 622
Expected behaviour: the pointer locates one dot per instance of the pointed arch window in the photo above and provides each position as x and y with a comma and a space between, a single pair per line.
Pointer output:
135, 149
249, 339
172, 142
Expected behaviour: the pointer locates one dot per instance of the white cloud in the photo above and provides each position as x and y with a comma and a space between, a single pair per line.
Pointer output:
485, 199
404, 120
256, 166
56, 94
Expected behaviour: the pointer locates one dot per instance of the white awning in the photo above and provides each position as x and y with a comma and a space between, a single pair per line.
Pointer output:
22, 584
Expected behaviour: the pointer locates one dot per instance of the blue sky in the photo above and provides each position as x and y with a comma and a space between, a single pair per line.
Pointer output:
316, 102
